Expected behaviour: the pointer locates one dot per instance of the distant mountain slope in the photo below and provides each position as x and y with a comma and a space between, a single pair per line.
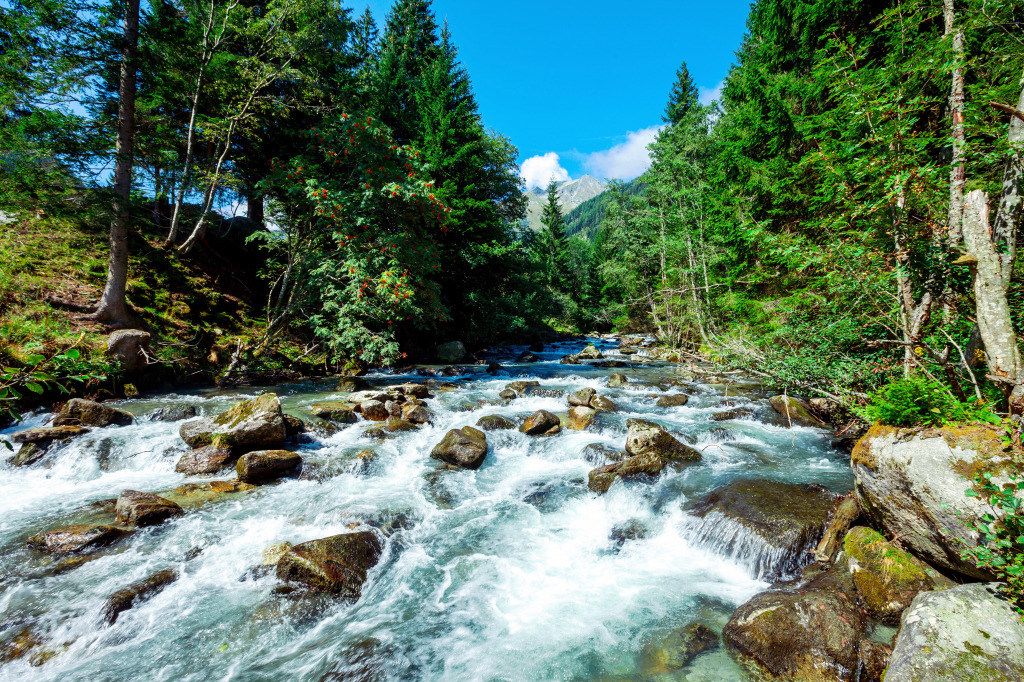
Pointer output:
571, 194
585, 218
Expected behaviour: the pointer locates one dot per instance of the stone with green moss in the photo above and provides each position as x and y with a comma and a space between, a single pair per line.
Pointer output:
887, 578
337, 565
256, 424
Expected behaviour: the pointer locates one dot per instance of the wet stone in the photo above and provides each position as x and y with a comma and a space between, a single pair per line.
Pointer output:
44, 435
520, 386
140, 509
495, 422
136, 593
731, 414
582, 397
206, 460
598, 453
173, 413
648, 465
27, 455
465, 448
76, 539
337, 565
673, 400
263, 466
79, 412
678, 649
603, 404
540, 422
334, 411
617, 380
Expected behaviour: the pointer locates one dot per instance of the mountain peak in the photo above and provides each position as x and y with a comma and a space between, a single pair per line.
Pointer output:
571, 193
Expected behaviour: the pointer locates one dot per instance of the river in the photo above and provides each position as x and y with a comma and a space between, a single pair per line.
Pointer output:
516, 571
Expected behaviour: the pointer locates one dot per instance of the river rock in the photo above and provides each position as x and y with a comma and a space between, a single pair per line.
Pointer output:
677, 400
266, 465
452, 351
129, 347
255, 424
590, 353
208, 459
539, 423
886, 577
495, 422
508, 395
465, 448
911, 484
76, 539
582, 397
43, 436
537, 392
374, 410
645, 437
173, 413
27, 455
570, 360
79, 412
603, 404
293, 426
599, 453
678, 649
140, 509
771, 526
352, 384
601, 479
520, 386
580, 417
527, 356
394, 409
417, 414
398, 425
968, 632
802, 633
334, 411
617, 380
414, 391
728, 415
795, 411
874, 658
136, 593
337, 565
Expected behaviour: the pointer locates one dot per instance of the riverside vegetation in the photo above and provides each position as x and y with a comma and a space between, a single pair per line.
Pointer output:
831, 244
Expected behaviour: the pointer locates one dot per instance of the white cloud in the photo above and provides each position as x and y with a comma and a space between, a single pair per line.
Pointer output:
538, 171
709, 95
624, 161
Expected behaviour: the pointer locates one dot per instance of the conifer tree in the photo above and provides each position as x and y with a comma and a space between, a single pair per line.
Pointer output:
408, 47
553, 237
683, 97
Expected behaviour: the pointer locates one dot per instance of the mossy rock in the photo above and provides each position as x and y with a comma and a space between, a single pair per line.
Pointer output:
255, 424
495, 422
337, 565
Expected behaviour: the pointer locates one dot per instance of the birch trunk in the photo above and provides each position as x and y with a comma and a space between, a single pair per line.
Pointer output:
958, 173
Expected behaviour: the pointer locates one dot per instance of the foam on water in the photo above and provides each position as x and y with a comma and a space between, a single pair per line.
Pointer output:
515, 571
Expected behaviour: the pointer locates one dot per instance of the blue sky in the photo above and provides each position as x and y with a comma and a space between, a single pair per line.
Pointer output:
586, 80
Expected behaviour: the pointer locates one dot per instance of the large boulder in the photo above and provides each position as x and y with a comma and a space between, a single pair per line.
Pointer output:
540, 422
256, 424
769, 526
645, 437
520, 386
417, 414
964, 633
465, 448
452, 351
129, 347
336, 565
590, 353
795, 411
677, 400
27, 455
617, 380
139, 509
136, 593
79, 412
267, 465
45, 435
887, 578
808, 633
374, 410
173, 413
76, 539
912, 484
603, 404
601, 479
208, 459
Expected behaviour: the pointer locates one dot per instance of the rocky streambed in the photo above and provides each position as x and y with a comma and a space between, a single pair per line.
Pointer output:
571, 512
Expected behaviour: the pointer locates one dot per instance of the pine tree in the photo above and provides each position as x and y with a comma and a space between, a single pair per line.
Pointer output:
553, 237
683, 97
408, 47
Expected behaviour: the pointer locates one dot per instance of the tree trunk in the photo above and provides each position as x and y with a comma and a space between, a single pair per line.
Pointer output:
958, 173
113, 308
995, 323
1011, 199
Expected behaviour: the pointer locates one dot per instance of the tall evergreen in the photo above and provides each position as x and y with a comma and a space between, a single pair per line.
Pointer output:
408, 47
553, 237
683, 98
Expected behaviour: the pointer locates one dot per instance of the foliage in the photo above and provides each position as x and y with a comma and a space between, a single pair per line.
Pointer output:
1001, 546
920, 401
40, 374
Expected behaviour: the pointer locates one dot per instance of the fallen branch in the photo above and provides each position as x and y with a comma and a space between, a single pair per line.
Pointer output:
1007, 109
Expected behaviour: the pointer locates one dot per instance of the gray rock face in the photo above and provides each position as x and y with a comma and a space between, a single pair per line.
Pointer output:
465, 448
645, 437
964, 633
912, 484
79, 412
452, 351
256, 424
266, 465
129, 347
139, 509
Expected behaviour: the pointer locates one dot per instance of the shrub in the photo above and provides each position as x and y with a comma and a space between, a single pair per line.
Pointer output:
918, 401
1002, 534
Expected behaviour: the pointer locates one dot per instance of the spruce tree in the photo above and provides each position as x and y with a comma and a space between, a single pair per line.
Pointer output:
408, 47
683, 97
553, 237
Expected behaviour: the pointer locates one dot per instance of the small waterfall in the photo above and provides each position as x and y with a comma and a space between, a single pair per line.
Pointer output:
764, 559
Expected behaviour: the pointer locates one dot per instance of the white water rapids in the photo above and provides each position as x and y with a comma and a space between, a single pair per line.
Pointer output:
513, 572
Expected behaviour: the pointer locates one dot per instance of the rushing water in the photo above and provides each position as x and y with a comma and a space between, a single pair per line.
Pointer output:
512, 572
